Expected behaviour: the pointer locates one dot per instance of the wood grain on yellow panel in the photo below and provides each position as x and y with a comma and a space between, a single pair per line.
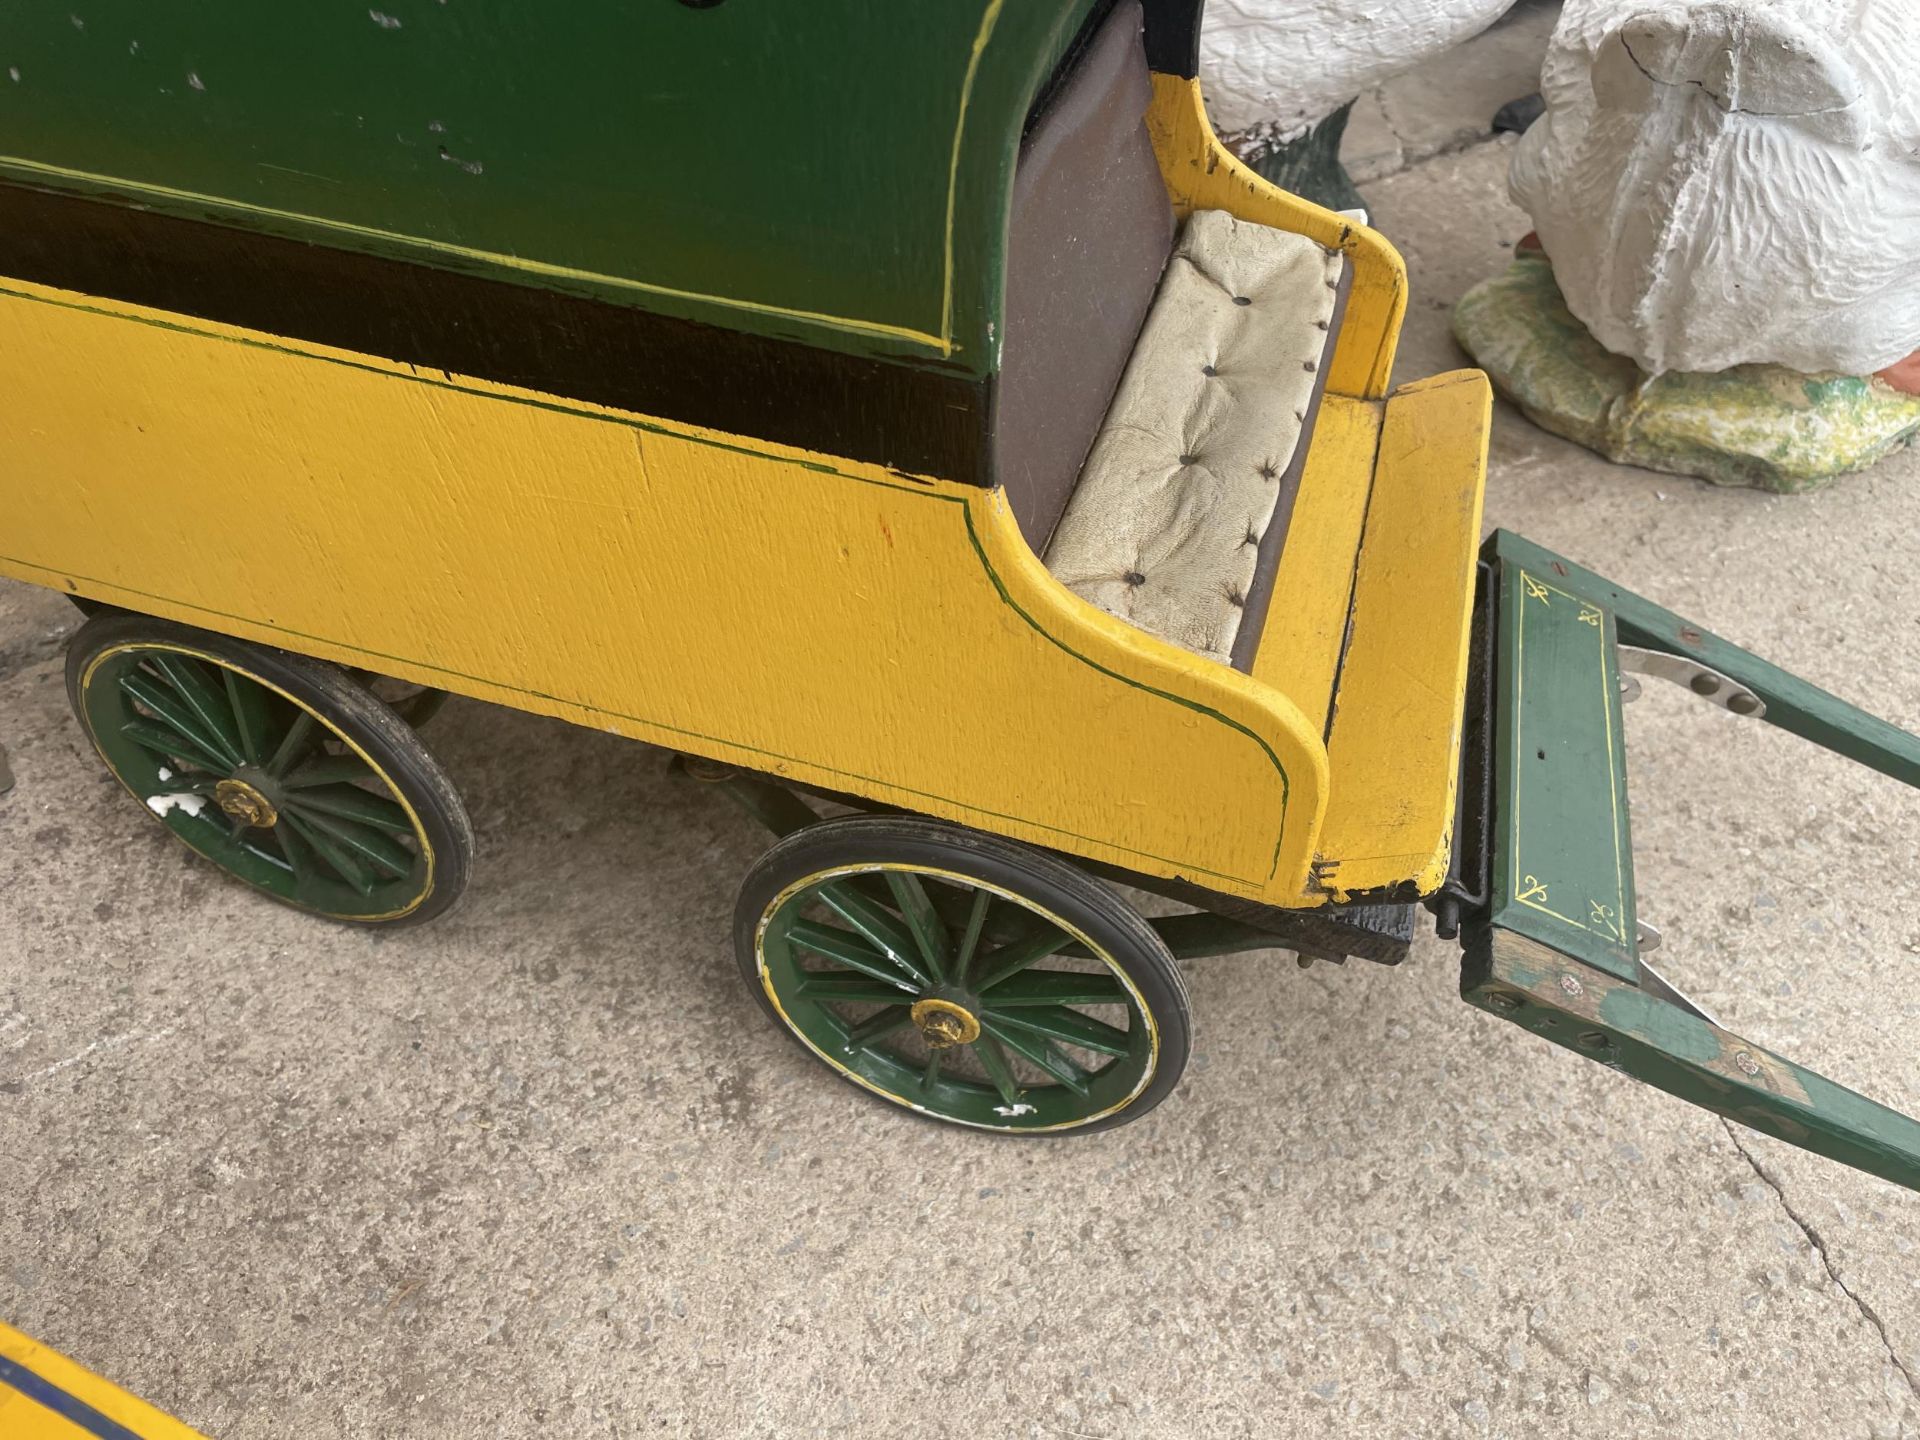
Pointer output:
1299, 650
1395, 743
819, 619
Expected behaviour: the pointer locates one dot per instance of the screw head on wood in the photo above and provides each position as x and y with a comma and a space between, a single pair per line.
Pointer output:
1572, 986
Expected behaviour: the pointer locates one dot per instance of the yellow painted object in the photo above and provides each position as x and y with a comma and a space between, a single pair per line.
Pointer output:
1306, 630
827, 621
1202, 174
1395, 765
45, 1396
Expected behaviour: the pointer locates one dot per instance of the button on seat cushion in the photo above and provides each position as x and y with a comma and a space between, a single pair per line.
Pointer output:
1165, 526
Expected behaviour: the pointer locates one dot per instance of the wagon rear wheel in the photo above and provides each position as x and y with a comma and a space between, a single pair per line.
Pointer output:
283, 771
963, 976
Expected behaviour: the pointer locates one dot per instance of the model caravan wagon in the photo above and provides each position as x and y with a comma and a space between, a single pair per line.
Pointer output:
931, 417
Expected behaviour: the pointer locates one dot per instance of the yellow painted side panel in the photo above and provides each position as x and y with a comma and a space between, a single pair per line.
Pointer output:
1202, 174
819, 619
1395, 746
25, 1411
1299, 650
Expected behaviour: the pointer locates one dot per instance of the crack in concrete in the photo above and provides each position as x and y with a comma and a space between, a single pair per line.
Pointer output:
1386, 114
1867, 1312
1410, 154
1581, 1373
1556, 1349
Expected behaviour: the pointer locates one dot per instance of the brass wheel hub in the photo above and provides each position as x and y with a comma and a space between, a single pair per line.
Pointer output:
243, 802
944, 1024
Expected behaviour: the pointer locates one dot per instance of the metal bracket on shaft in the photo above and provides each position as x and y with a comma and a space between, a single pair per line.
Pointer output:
1710, 685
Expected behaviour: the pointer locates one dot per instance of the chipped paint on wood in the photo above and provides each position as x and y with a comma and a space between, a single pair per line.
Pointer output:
1638, 1034
1395, 728
606, 148
1202, 174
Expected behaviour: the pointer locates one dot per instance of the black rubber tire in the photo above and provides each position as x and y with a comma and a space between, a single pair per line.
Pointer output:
416, 704
1100, 914
342, 702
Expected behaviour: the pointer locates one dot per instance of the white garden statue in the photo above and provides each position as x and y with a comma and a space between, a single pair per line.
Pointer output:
1273, 70
1721, 182
1728, 195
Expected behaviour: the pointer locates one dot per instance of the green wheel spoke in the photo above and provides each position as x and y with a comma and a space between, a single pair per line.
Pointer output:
205, 699
1056, 1022
894, 1017
876, 924
367, 843
929, 931
204, 731
852, 989
339, 858
172, 713
1042, 1052
850, 950
1057, 987
934, 987
170, 745
301, 736
1004, 924
328, 770
302, 859
253, 718
350, 802
999, 1069
970, 938
999, 966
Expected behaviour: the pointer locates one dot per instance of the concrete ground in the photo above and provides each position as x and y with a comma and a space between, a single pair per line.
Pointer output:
542, 1168
1448, 102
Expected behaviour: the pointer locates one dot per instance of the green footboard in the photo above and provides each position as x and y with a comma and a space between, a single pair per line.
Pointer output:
1555, 946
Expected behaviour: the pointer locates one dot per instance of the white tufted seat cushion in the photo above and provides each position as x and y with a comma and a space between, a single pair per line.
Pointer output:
1181, 485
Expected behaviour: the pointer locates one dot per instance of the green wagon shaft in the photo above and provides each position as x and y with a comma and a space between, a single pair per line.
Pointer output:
1555, 946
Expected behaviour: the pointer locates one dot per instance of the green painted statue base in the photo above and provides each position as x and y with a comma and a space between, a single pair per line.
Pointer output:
1759, 425
1310, 166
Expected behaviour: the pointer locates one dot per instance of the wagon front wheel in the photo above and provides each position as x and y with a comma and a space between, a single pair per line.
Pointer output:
281, 770
962, 976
